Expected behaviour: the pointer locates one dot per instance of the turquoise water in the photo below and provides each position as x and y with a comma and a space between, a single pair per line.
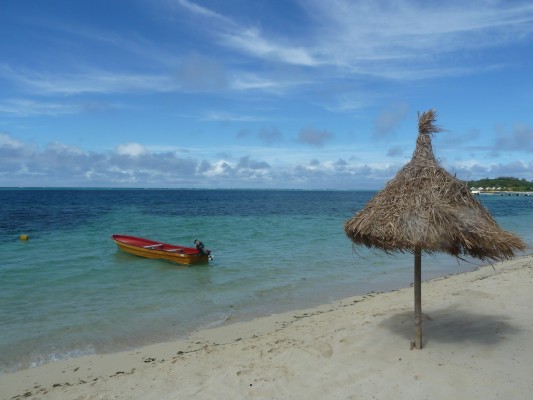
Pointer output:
68, 291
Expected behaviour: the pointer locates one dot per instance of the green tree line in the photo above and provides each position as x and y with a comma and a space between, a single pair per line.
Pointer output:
505, 183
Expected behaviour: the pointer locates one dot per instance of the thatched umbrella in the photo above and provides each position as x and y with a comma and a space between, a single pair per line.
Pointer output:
425, 209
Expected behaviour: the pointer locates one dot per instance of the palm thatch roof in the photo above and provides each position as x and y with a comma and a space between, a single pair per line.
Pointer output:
427, 208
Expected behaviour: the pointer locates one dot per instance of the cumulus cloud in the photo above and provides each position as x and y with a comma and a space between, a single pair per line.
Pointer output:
341, 165
244, 171
518, 169
203, 167
62, 149
247, 163
131, 149
520, 138
395, 151
133, 165
7, 142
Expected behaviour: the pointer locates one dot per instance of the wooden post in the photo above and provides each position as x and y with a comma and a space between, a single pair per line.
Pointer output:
418, 298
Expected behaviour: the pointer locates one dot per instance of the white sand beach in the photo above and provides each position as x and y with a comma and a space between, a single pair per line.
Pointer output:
478, 344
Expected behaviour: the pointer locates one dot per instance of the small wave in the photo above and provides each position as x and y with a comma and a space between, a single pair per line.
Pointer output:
36, 360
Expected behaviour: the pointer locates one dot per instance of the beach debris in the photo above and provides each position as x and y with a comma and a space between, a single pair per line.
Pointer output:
425, 209
118, 373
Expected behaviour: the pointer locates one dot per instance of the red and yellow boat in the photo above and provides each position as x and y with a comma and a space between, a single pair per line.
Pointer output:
152, 249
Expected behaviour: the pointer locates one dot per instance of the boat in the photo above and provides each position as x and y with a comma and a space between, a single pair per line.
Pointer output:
153, 249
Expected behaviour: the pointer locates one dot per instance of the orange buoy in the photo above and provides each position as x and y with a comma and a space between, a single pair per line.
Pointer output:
24, 237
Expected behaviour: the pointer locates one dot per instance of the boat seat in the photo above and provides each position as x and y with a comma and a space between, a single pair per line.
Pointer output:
152, 246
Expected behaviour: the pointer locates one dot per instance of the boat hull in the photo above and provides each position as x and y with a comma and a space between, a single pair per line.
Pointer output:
157, 250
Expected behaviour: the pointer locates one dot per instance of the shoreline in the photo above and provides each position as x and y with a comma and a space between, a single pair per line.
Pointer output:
391, 281
477, 327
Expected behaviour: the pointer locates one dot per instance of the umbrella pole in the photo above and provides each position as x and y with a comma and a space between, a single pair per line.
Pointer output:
418, 298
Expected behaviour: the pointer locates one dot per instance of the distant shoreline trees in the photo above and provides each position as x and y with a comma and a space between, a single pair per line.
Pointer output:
504, 183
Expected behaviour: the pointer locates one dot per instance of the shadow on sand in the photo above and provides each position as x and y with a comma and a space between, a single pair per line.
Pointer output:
450, 325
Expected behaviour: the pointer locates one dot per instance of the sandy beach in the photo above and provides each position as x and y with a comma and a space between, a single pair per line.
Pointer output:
478, 330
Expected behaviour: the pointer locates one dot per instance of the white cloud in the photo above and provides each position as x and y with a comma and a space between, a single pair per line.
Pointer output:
203, 11
249, 39
375, 31
88, 81
131, 149
7, 142
252, 42
134, 165
267, 83
27, 107
395, 40
228, 117
229, 73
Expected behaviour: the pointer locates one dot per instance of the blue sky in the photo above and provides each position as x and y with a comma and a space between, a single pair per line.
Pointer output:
307, 94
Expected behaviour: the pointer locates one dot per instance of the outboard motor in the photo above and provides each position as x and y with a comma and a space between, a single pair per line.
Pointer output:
200, 247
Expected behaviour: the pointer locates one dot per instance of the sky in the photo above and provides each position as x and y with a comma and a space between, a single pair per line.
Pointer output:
288, 94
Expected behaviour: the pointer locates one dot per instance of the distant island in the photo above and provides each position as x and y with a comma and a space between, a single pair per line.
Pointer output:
507, 184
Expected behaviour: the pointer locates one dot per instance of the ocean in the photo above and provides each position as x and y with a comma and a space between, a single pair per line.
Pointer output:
68, 291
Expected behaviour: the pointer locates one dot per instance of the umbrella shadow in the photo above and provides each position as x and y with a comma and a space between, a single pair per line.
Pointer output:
450, 325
